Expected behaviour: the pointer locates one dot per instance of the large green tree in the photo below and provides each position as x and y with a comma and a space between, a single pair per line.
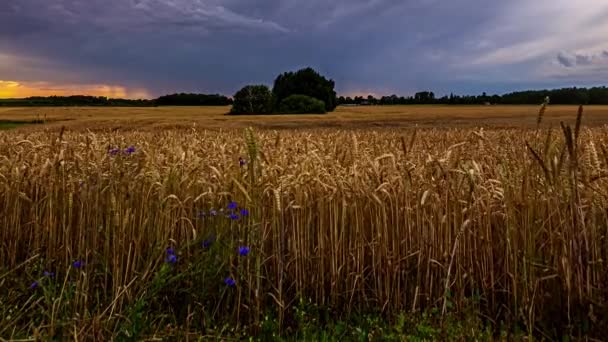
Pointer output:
253, 99
305, 82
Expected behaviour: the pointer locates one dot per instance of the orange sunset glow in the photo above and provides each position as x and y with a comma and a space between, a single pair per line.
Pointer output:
15, 89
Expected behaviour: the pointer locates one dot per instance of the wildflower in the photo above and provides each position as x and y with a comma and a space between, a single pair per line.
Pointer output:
34, 285
48, 274
207, 243
229, 281
244, 250
213, 212
244, 212
77, 264
202, 214
171, 259
130, 150
114, 151
233, 216
232, 205
242, 161
170, 251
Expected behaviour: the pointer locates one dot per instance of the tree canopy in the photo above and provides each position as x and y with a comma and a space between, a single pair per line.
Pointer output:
253, 99
305, 82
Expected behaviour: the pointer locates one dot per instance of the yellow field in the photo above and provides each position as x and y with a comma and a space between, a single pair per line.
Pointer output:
510, 222
343, 117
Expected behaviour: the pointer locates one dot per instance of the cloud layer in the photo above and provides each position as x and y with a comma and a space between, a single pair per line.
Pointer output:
378, 46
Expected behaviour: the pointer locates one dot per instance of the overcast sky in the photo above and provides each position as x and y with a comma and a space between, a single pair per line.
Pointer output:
141, 48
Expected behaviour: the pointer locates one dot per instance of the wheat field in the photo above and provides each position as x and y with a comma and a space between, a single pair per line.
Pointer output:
196, 225
215, 118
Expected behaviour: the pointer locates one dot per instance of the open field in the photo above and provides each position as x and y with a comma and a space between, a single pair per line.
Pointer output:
343, 117
270, 231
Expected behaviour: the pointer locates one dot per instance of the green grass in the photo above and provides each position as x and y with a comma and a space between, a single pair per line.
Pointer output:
10, 124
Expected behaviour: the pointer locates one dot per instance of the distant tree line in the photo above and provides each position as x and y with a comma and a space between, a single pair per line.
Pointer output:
78, 100
193, 100
575, 96
308, 82
181, 99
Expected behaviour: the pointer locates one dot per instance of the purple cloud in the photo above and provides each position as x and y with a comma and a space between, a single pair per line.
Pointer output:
381, 46
565, 60
581, 60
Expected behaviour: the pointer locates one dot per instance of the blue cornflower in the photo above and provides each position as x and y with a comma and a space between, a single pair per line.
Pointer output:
212, 212
170, 251
171, 259
130, 150
242, 161
229, 281
48, 274
207, 243
233, 216
232, 205
244, 212
244, 250
34, 285
77, 264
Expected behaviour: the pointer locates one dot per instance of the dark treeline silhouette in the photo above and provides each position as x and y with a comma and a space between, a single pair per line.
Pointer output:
577, 96
193, 100
81, 100
77, 100
574, 96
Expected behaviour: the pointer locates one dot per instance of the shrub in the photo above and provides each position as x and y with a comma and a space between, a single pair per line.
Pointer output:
253, 99
301, 104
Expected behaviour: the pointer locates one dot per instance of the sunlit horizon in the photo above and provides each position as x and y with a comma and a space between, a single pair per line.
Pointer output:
18, 90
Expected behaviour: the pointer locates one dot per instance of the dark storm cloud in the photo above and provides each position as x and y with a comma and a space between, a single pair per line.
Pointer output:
580, 60
566, 61
376, 46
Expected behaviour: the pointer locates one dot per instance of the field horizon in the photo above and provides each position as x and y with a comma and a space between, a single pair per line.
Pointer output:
347, 117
